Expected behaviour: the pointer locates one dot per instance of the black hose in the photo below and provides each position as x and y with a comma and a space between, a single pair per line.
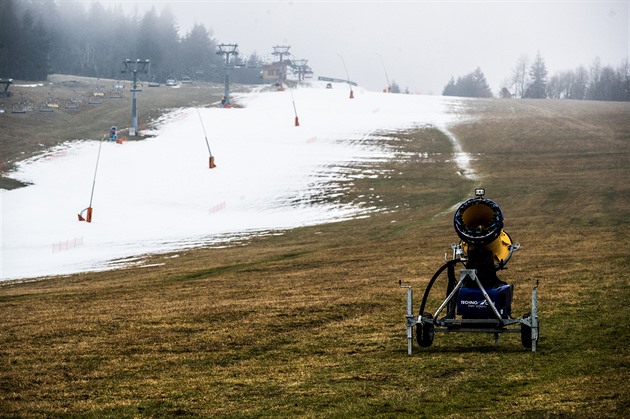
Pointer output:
450, 263
450, 273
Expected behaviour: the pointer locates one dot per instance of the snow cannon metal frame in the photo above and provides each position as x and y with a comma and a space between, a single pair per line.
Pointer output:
479, 301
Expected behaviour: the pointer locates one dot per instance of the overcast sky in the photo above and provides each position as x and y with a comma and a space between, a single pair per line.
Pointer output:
418, 44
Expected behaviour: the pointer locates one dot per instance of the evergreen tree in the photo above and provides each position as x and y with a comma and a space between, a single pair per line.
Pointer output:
9, 32
471, 85
198, 52
450, 88
607, 84
26, 45
537, 88
479, 84
167, 39
148, 46
40, 58
68, 37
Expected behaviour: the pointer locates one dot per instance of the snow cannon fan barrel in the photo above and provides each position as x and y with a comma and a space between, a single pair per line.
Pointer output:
479, 224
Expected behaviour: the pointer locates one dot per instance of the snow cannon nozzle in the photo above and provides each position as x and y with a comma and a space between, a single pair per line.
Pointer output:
478, 221
479, 224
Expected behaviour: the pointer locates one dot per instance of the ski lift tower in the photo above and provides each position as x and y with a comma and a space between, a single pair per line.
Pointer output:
281, 51
227, 50
300, 68
135, 67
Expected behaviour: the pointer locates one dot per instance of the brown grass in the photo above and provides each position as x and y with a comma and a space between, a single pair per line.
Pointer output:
311, 322
23, 135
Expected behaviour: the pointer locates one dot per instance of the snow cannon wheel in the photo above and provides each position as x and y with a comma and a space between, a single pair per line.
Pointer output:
425, 332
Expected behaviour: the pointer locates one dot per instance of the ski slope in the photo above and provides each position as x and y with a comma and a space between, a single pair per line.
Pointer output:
159, 195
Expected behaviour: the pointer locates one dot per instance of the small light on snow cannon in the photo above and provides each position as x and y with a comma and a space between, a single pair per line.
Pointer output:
479, 301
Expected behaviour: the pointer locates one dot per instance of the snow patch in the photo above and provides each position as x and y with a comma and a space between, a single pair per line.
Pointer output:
158, 195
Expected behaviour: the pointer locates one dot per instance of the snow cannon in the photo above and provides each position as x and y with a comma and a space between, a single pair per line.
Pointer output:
88, 216
477, 302
479, 224
113, 134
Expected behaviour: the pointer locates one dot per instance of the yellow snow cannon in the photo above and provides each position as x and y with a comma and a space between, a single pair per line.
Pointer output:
479, 224
477, 302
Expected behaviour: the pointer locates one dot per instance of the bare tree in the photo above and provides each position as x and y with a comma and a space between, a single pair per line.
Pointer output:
624, 76
520, 75
580, 84
559, 85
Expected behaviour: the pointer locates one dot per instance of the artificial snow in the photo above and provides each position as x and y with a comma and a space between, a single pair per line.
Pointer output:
159, 195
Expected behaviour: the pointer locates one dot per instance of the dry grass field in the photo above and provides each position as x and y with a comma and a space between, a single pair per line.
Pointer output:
25, 134
310, 322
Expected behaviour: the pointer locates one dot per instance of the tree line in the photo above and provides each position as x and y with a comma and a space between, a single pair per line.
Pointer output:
530, 80
40, 37
473, 84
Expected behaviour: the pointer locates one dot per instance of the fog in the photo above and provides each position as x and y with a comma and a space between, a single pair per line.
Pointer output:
417, 44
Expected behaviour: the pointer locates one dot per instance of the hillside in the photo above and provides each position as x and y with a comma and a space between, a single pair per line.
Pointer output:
310, 322
26, 134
